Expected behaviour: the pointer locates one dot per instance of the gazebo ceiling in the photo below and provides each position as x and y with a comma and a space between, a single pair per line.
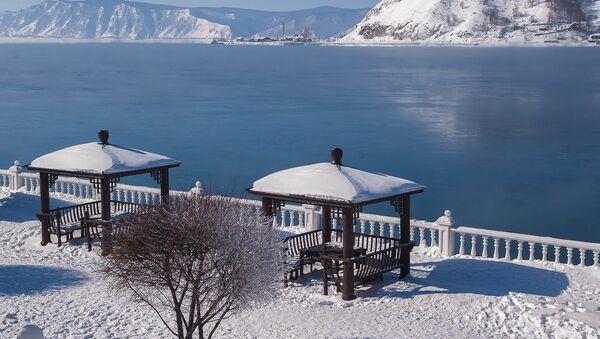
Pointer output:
100, 159
330, 182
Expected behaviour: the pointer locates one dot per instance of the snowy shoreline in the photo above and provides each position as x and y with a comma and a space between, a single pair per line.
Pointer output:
57, 41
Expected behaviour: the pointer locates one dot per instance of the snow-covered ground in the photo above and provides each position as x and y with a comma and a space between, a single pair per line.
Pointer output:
59, 290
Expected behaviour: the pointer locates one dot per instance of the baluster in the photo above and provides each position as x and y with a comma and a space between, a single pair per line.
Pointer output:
382, 229
507, 248
138, 196
283, 221
412, 233
433, 233
569, 256
557, 254
27, 184
393, 228
301, 219
372, 227
519, 250
484, 251
582, 257
363, 228
473, 245
151, 199
422, 241
496, 247
544, 252
531, 250
156, 198
80, 191
461, 251
596, 258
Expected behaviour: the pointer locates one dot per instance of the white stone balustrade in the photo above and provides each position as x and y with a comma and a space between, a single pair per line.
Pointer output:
443, 233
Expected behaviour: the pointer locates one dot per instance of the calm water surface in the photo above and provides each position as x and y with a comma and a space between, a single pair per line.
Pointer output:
506, 138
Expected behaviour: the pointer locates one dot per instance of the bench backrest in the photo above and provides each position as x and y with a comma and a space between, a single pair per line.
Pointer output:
297, 242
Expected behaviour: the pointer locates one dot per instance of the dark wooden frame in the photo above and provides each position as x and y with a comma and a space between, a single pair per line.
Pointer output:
106, 185
350, 210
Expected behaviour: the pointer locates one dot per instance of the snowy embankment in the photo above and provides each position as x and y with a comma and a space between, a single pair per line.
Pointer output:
60, 290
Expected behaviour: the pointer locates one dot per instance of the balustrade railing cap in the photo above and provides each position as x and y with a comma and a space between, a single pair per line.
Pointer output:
446, 219
16, 167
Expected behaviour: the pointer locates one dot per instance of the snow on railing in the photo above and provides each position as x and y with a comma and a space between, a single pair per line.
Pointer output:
546, 249
443, 234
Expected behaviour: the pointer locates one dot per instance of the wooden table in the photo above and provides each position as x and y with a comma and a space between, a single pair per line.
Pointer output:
331, 249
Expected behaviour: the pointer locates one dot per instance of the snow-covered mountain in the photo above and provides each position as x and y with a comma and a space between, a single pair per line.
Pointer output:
477, 21
114, 19
107, 19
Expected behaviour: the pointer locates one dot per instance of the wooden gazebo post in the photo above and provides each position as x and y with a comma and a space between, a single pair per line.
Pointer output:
405, 234
105, 198
45, 206
348, 253
164, 184
326, 221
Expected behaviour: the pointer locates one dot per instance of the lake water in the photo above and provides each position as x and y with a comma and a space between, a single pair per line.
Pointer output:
506, 138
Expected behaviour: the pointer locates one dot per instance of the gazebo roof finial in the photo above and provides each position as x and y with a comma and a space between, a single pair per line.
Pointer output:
103, 136
336, 156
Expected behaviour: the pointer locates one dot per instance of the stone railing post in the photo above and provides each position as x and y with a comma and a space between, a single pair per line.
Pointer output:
198, 189
15, 181
312, 219
446, 223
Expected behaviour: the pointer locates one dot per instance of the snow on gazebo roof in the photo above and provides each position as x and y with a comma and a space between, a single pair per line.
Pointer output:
101, 159
328, 181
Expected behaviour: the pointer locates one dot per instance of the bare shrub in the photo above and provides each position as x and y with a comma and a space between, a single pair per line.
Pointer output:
196, 261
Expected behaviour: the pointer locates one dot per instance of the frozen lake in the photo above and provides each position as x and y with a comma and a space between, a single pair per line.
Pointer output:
506, 138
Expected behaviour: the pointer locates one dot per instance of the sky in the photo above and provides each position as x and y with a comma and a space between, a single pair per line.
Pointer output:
274, 5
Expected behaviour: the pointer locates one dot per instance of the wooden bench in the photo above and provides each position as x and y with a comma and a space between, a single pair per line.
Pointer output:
292, 247
64, 221
106, 231
384, 254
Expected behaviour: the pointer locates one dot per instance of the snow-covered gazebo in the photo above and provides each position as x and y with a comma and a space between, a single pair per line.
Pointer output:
344, 191
104, 164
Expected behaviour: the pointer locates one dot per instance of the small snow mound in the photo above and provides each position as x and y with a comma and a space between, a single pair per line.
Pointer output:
31, 332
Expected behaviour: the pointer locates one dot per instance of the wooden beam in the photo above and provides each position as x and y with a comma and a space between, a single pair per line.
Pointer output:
164, 184
326, 223
405, 235
105, 198
45, 206
347, 253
